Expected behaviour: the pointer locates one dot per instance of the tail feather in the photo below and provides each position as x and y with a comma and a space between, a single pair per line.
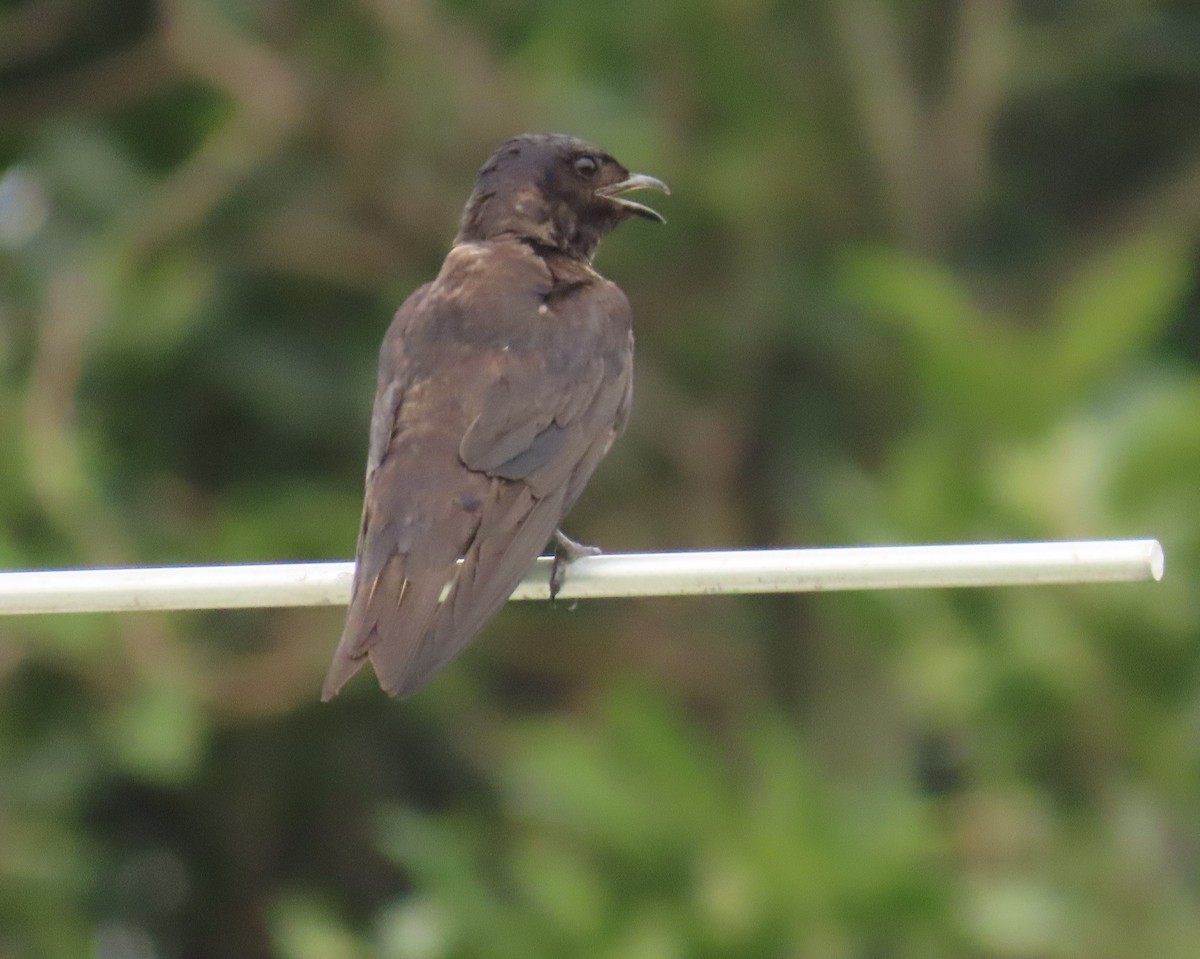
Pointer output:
386, 620
400, 639
490, 572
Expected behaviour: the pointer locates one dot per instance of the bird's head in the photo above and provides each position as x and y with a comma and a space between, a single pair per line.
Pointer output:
557, 191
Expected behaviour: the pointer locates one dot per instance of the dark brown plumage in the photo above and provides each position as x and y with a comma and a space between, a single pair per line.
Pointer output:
501, 385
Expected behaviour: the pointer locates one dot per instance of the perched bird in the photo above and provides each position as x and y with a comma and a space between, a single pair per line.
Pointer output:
502, 384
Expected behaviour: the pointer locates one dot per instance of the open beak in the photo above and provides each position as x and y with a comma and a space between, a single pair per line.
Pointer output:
615, 192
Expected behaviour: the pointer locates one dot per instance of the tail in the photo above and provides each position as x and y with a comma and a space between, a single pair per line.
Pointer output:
387, 618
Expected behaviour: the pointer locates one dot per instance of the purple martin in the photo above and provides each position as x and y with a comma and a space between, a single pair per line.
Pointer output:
502, 384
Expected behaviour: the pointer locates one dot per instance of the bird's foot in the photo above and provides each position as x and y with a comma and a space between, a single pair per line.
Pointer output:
566, 551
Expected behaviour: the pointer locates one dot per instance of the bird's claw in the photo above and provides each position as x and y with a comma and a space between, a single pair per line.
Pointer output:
566, 551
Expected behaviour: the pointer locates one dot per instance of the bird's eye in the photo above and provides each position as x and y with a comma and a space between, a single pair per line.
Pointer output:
586, 166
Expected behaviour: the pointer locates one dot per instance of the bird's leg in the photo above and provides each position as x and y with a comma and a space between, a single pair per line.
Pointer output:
566, 551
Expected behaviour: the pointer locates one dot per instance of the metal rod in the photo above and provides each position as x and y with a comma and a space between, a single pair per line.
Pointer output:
631, 574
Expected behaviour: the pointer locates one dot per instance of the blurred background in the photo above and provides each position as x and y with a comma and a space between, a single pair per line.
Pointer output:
931, 274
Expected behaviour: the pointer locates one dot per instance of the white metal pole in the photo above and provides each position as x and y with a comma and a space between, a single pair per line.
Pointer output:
631, 574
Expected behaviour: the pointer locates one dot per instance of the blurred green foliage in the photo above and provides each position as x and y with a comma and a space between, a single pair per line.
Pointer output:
931, 274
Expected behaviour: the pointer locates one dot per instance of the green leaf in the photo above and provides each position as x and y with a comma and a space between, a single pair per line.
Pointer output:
1117, 305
